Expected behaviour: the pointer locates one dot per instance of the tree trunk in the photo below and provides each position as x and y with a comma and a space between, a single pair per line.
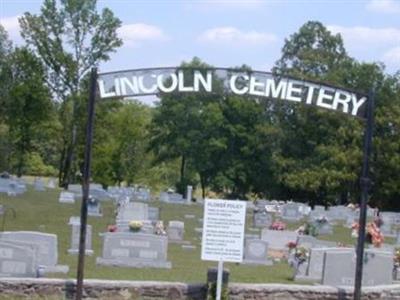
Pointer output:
61, 165
183, 163
69, 159
203, 186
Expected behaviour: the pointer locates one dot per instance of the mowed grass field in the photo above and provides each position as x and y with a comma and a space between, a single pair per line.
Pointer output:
41, 211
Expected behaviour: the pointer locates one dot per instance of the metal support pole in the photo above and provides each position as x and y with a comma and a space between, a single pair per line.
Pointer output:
365, 184
86, 182
219, 280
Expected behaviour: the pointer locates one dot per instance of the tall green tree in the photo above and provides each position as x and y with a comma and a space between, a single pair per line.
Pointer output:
29, 104
319, 156
5, 84
120, 153
178, 128
70, 37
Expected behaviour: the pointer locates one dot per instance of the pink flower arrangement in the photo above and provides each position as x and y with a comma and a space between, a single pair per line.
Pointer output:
111, 228
278, 225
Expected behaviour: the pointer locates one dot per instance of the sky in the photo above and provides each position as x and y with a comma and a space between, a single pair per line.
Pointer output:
158, 33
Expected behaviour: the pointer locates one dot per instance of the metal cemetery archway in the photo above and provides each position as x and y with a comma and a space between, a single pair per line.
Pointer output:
155, 81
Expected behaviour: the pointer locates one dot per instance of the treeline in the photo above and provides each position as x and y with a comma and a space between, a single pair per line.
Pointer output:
228, 145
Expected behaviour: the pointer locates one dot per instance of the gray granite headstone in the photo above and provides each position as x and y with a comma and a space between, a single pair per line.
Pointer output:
189, 191
133, 211
17, 260
75, 235
262, 219
339, 268
175, 231
134, 250
153, 213
38, 185
66, 197
278, 239
256, 252
94, 208
47, 243
291, 212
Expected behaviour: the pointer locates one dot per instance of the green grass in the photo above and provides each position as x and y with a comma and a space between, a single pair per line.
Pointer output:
41, 211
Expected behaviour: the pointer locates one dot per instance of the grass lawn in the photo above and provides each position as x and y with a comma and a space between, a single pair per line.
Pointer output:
41, 211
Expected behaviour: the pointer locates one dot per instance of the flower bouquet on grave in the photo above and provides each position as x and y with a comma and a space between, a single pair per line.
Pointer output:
278, 225
301, 229
396, 262
135, 226
374, 235
310, 229
354, 229
292, 246
299, 256
112, 228
159, 228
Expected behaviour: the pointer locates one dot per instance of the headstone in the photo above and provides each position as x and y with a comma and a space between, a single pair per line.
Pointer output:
337, 213
75, 235
262, 219
94, 208
172, 198
51, 184
252, 236
190, 216
47, 243
133, 211
389, 220
316, 262
319, 209
153, 213
38, 185
17, 260
66, 197
189, 194
134, 250
278, 239
339, 268
312, 242
256, 252
324, 228
291, 212
175, 231
188, 247
141, 194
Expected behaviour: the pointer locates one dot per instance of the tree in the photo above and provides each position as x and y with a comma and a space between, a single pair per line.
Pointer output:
5, 83
28, 104
70, 37
120, 152
179, 129
320, 155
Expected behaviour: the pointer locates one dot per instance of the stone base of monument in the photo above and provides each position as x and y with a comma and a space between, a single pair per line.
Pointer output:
179, 242
76, 252
256, 263
133, 263
278, 253
307, 279
55, 269
92, 214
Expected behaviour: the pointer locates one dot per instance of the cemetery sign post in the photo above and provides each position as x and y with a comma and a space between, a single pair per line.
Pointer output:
86, 183
223, 234
158, 81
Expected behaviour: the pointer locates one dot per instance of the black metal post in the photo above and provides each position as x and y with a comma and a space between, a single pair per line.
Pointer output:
86, 182
365, 183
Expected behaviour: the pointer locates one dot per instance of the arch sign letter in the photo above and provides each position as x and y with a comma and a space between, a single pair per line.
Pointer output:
156, 81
